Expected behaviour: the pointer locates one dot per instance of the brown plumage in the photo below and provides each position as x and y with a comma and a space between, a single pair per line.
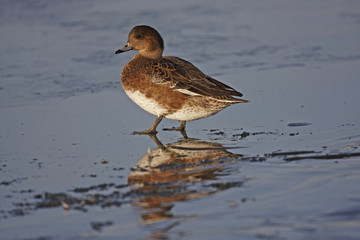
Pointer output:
170, 86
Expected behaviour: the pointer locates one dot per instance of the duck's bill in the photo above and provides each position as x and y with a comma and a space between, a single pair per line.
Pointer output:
124, 49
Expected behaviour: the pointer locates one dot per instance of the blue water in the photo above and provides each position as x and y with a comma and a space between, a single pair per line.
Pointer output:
284, 166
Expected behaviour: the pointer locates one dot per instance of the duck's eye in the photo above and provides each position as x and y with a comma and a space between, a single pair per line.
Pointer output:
138, 36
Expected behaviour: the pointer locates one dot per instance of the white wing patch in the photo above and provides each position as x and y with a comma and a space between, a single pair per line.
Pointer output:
187, 92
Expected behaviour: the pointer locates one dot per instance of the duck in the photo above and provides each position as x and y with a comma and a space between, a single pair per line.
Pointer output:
168, 86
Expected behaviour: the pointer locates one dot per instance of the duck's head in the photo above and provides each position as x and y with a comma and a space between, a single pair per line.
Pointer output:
146, 40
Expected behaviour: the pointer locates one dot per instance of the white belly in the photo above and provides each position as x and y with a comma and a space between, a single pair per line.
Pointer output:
188, 112
147, 104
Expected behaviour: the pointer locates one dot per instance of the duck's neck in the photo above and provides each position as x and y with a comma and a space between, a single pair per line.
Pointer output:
155, 54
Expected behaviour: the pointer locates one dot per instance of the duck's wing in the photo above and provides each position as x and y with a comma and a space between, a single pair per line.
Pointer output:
184, 77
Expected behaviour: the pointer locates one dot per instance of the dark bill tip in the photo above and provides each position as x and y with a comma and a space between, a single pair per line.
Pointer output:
124, 49
119, 51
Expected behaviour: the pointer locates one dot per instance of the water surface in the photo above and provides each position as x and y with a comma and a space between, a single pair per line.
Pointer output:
284, 166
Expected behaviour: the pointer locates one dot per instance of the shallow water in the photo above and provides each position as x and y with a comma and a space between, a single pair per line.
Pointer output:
284, 166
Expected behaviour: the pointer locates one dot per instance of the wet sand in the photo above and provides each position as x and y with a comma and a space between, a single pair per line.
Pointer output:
284, 166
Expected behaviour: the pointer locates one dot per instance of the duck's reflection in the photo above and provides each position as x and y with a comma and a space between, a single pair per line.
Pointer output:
168, 174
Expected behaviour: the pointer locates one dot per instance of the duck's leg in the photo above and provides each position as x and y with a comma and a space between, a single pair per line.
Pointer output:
152, 129
182, 126
179, 128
